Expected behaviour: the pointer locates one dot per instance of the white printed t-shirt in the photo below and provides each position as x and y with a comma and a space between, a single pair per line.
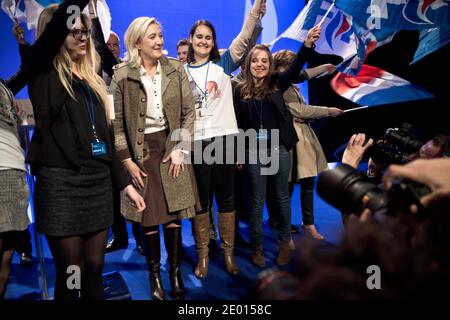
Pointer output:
213, 96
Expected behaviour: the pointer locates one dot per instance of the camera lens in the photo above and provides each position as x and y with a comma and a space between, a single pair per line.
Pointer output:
403, 139
346, 189
387, 154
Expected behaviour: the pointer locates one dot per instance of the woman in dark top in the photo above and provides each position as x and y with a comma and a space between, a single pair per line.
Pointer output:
72, 151
259, 105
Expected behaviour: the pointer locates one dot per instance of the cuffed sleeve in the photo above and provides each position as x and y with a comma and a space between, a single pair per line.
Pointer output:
241, 43
120, 140
120, 176
299, 109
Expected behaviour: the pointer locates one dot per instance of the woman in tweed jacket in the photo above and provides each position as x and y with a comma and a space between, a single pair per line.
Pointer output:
154, 122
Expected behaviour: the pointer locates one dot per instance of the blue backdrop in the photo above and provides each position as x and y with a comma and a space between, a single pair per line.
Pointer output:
177, 17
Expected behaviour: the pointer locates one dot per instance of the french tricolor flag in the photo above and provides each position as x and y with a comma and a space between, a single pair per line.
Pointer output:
373, 86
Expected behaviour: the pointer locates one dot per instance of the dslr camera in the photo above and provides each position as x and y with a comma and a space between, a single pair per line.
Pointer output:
348, 190
397, 146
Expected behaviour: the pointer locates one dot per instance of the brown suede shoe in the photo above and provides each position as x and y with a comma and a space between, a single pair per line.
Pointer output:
284, 254
258, 257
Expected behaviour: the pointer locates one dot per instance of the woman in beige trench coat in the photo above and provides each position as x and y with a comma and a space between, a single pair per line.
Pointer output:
309, 158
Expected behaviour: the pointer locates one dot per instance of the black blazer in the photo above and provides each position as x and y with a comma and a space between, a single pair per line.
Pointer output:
294, 74
53, 142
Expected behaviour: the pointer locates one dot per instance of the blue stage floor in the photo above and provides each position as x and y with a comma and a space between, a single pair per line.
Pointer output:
24, 283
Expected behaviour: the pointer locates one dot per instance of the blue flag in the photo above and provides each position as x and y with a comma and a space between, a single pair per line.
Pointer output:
430, 41
375, 22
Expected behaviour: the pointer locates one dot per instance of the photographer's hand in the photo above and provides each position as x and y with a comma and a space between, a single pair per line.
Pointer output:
355, 149
435, 174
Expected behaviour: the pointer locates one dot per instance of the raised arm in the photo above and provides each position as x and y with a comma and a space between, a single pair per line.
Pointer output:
294, 73
40, 55
17, 82
242, 42
323, 69
19, 33
108, 59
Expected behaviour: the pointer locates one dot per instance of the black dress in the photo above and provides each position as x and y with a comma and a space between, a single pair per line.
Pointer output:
73, 191
77, 201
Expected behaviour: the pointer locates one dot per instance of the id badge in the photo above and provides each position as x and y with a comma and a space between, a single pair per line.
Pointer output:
98, 148
263, 134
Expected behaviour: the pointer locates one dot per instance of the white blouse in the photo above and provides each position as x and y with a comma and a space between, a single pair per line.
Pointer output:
155, 120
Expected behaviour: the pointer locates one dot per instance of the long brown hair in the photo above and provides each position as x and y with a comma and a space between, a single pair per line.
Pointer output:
247, 85
214, 55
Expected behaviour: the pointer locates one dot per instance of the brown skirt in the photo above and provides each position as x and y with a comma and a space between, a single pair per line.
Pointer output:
156, 211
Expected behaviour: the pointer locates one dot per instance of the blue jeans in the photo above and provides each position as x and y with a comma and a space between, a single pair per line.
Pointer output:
257, 194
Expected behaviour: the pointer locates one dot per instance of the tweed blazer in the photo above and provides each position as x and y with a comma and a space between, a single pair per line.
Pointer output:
130, 104
310, 158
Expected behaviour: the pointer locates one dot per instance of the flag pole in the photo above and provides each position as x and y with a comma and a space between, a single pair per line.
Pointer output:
11, 13
270, 45
326, 14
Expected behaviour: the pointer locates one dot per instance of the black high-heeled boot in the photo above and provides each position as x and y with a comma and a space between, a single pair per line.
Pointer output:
172, 239
152, 249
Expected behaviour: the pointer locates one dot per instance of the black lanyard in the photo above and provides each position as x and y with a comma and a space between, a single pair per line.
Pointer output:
259, 112
89, 105
206, 80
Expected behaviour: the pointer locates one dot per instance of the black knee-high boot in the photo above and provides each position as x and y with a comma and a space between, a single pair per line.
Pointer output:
172, 239
152, 249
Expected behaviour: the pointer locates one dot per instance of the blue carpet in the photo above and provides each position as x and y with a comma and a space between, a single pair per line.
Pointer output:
25, 283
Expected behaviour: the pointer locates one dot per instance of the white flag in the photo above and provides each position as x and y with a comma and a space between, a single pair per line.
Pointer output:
337, 36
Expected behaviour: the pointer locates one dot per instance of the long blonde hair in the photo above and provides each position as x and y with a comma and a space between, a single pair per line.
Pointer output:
135, 33
87, 65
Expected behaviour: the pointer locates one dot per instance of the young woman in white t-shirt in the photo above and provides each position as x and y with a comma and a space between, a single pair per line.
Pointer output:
210, 78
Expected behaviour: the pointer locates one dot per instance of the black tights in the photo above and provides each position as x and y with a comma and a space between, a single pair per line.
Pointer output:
86, 252
306, 199
6, 253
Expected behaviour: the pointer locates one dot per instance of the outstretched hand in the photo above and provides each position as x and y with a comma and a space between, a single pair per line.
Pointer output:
355, 149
